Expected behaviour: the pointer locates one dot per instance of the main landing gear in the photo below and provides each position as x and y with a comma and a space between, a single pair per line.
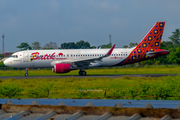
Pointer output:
26, 74
82, 72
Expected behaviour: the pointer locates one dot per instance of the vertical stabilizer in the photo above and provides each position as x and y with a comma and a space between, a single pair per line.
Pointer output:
152, 40
150, 43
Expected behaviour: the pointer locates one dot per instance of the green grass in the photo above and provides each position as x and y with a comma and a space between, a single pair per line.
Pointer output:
166, 88
93, 88
164, 69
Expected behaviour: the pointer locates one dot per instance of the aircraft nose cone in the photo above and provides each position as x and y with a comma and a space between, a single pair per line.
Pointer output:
6, 62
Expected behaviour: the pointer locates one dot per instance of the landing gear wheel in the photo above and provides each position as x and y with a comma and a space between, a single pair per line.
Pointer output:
80, 72
83, 73
26, 74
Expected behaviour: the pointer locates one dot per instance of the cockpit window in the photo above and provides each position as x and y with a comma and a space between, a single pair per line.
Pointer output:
14, 56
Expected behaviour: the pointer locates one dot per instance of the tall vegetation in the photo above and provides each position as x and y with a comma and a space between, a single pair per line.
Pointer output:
24, 46
164, 88
78, 45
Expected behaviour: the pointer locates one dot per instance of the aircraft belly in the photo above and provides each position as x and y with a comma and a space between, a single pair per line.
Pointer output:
41, 64
33, 64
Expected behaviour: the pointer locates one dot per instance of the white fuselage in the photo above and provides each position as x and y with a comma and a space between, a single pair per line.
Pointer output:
46, 58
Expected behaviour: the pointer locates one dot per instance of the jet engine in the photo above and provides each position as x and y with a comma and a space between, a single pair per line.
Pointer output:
61, 68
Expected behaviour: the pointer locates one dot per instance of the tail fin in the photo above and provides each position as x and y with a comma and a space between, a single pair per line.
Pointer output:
150, 43
152, 40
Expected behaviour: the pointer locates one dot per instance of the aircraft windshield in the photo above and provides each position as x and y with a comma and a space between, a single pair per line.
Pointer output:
14, 56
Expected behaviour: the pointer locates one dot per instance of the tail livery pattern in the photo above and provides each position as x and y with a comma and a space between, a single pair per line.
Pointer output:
150, 43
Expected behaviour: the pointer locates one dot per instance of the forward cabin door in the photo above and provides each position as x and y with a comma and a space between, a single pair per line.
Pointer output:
25, 57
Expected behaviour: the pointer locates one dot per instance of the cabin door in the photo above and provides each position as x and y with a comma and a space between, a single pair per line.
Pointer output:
25, 57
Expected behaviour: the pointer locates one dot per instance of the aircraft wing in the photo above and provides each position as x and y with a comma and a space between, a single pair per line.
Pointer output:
85, 62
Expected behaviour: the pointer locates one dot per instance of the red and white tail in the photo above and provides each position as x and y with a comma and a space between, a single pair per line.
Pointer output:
150, 43
152, 40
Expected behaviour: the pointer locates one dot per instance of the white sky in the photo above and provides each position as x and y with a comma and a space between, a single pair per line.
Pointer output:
89, 20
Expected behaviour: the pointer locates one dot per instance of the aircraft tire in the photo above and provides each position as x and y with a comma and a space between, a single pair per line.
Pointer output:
26, 74
80, 72
83, 73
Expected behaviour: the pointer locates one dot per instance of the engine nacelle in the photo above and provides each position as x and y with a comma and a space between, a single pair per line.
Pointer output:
61, 68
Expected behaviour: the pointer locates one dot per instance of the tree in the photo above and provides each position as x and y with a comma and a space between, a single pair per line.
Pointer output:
125, 46
93, 47
70, 45
130, 45
106, 46
175, 37
133, 44
78, 45
172, 58
82, 44
64, 46
36, 45
24, 46
1, 55
166, 45
51, 45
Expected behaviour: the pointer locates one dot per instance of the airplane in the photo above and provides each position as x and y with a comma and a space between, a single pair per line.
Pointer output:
63, 61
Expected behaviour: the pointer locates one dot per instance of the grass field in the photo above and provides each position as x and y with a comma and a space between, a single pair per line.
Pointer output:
166, 88
164, 69
96, 88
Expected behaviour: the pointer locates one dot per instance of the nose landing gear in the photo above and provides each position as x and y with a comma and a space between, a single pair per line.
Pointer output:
26, 74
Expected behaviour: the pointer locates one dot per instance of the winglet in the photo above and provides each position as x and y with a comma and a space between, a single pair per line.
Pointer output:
110, 51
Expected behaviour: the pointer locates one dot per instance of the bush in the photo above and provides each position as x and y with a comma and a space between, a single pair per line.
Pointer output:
10, 91
40, 92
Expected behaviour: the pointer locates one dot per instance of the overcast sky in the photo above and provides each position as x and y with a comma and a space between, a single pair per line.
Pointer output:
89, 20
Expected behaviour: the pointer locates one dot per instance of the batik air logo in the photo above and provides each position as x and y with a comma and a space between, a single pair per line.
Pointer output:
37, 56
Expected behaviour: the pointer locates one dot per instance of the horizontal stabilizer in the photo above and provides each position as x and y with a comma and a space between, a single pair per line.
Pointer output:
159, 52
